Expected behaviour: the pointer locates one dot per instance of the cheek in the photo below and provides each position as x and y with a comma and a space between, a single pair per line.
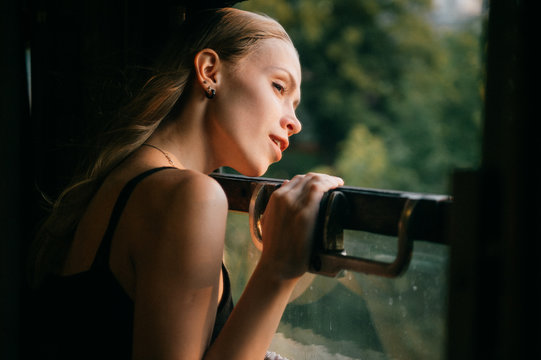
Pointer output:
245, 105
249, 107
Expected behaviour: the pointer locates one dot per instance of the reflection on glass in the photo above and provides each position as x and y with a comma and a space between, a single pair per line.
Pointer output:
370, 246
392, 97
356, 316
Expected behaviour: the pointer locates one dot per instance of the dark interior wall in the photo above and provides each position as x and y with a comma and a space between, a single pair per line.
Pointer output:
66, 44
81, 51
80, 54
14, 122
512, 171
495, 274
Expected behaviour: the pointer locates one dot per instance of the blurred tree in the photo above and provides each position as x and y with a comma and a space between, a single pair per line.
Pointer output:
389, 100
381, 68
437, 114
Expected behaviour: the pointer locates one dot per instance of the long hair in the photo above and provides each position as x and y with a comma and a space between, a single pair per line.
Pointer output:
232, 34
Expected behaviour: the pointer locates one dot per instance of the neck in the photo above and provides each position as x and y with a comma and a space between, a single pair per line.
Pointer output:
186, 139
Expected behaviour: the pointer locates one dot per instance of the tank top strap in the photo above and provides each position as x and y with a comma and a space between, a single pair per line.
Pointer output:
101, 261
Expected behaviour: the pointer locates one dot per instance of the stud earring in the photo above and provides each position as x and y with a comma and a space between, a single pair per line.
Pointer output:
210, 92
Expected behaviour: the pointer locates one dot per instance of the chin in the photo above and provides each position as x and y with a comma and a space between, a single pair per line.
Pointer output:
254, 173
254, 170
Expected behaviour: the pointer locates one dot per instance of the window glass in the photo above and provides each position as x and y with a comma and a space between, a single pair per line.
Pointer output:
356, 316
392, 95
391, 90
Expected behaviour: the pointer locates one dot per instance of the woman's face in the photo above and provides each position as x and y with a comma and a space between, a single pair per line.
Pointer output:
253, 113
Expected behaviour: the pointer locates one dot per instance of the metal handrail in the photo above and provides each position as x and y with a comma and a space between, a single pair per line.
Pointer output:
406, 215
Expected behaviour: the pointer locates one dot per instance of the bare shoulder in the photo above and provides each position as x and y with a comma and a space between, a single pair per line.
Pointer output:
191, 185
173, 192
180, 212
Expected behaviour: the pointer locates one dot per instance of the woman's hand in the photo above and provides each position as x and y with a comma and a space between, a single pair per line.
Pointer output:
287, 229
288, 223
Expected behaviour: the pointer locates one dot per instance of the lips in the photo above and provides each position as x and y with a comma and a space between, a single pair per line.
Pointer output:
280, 142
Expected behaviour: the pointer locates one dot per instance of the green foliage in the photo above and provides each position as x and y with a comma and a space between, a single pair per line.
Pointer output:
363, 159
388, 98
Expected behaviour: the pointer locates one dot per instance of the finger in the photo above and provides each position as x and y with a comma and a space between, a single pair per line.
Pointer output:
291, 185
321, 182
332, 181
320, 176
302, 186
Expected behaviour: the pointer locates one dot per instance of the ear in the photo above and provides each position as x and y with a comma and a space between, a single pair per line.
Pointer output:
207, 66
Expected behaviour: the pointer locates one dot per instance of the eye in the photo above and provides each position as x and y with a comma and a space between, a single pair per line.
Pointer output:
279, 87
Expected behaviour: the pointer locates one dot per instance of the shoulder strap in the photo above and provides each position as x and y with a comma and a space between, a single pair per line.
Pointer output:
102, 256
224, 308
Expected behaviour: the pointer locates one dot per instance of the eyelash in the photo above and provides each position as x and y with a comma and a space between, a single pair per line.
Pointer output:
279, 87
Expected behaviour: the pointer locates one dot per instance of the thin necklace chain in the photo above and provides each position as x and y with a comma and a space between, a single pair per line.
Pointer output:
163, 152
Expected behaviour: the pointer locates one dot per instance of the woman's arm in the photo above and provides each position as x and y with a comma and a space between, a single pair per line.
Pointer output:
177, 269
178, 272
288, 224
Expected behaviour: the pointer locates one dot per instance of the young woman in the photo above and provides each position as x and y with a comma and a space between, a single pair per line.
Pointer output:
130, 260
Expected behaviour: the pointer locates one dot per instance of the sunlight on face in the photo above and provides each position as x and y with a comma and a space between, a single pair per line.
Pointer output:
256, 107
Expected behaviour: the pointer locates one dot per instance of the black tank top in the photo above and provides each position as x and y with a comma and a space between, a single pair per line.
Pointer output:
89, 315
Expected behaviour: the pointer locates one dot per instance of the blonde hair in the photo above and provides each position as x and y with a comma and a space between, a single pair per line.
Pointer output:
230, 32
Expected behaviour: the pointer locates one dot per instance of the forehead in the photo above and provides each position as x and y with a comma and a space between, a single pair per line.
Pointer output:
273, 54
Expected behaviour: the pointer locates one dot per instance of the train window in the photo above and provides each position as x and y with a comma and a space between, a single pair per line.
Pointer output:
392, 91
391, 98
356, 316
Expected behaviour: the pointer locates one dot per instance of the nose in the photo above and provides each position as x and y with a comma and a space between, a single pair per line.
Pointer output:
291, 123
